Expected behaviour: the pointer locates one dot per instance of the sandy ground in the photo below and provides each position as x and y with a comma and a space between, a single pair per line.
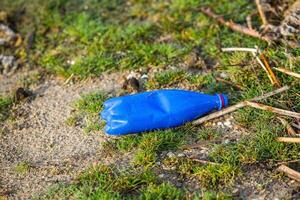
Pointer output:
40, 137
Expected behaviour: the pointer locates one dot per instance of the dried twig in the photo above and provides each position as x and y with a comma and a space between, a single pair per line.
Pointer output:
236, 27
269, 94
261, 13
237, 106
288, 139
220, 113
289, 172
269, 71
286, 162
260, 59
288, 127
68, 79
249, 22
230, 83
254, 50
296, 125
288, 72
274, 110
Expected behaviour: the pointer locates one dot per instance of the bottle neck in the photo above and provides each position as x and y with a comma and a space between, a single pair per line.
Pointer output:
222, 101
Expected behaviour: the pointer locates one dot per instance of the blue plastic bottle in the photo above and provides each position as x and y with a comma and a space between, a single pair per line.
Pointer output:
157, 109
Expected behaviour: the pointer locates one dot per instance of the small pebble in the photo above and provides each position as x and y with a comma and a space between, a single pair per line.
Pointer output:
7, 64
235, 191
227, 123
223, 75
227, 141
219, 124
161, 175
181, 155
71, 62
171, 155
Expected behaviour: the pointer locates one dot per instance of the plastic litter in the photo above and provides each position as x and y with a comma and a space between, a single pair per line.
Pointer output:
157, 110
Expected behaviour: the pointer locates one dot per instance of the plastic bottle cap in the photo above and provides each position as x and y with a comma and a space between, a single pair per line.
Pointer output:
223, 101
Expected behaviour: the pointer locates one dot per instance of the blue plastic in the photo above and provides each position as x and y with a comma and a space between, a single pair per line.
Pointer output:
157, 109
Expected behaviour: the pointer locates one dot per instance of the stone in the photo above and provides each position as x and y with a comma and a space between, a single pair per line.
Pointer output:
171, 155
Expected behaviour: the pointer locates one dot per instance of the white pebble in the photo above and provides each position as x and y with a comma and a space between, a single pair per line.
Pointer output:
161, 175
181, 155
227, 123
171, 155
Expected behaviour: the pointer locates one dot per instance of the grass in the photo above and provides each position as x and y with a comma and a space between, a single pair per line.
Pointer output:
260, 146
208, 133
209, 176
147, 146
5, 104
22, 168
109, 182
87, 110
95, 39
86, 38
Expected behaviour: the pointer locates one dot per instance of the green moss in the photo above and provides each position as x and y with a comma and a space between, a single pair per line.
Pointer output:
216, 176
109, 182
5, 104
103, 35
261, 145
162, 192
87, 111
211, 176
22, 168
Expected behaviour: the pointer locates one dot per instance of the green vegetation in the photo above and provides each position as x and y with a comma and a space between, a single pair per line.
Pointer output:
208, 134
148, 146
87, 110
85, 38
170, 39
108, 182
5, 104
22, 168
260, 145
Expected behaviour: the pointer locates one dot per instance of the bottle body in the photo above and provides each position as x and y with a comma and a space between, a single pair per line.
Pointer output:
157, 110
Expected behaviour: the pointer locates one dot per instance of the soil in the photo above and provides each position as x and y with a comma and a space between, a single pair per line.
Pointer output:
39, 137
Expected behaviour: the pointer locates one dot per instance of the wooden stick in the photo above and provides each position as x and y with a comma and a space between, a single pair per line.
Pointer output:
68, 79
220, 113
254, 50
288, 72
261, 60
286, 162
269, 94
234, 26
274, 110
289, 172
288, 127
296, 125
249, 22
264, 67
288, 139
261, 12
237, 106
269, 70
